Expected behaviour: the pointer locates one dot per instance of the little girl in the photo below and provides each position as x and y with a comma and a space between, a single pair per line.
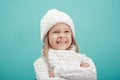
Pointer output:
61, 59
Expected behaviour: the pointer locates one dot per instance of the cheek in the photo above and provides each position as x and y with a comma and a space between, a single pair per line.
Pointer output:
70, 38
52, 39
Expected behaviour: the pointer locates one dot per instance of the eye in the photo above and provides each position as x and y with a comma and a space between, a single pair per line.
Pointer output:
55, 32
67, 31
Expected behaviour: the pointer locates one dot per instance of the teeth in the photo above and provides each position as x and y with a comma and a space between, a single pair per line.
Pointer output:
61, 42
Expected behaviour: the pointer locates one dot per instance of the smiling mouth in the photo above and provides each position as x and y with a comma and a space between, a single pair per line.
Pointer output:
61, 42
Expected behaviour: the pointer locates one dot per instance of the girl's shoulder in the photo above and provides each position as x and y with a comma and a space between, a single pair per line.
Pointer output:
41, 59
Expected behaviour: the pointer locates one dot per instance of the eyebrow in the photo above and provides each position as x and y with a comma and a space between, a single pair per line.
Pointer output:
55, 29
67, 29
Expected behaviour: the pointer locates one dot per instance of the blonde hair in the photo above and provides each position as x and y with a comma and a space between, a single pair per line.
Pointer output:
47, 45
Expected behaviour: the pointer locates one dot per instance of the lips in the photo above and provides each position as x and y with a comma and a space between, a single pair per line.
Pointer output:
61, 42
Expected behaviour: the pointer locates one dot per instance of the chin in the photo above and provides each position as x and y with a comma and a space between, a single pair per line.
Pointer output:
62, 48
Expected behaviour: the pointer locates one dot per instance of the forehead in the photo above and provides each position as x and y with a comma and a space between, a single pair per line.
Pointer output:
60, 26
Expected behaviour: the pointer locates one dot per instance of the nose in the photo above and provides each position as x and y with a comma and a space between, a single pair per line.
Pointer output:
61, 35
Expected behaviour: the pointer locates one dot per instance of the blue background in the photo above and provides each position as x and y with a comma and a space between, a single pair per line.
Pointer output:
97, 25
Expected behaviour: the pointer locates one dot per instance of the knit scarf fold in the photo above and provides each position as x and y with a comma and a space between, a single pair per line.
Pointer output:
64, 58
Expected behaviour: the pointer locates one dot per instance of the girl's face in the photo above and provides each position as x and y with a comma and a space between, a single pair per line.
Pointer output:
60, 36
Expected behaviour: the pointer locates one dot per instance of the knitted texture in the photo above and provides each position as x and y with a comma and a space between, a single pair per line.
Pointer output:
53, 17
66, 64
64, 70
41, 70
64, 58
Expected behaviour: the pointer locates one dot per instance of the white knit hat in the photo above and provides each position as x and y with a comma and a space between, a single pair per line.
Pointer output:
53, 17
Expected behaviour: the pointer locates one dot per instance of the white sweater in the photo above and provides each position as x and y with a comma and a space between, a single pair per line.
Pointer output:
66, 66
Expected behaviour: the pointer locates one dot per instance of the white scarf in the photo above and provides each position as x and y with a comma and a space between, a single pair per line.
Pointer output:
66, 64
64, 58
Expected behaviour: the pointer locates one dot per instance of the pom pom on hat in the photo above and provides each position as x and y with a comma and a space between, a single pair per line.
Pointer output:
53, 17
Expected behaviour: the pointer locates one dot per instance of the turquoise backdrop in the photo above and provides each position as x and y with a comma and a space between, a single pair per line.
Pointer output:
97, 25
